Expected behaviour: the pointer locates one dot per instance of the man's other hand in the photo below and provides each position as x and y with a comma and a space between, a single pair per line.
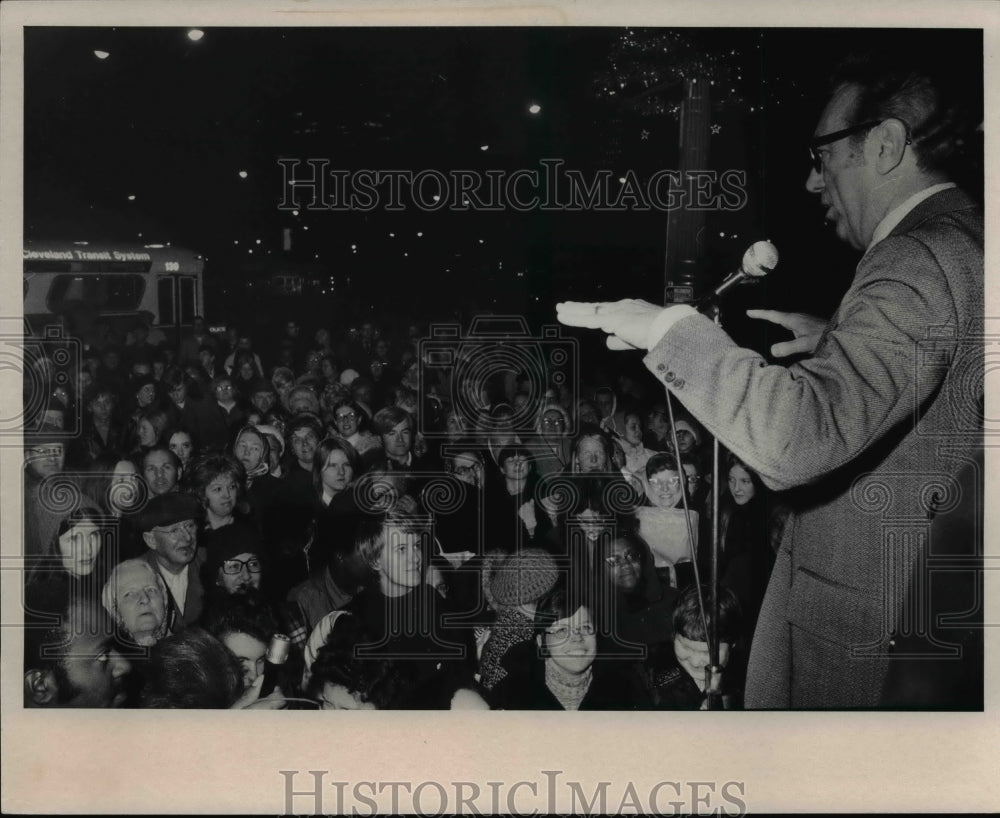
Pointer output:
807, 330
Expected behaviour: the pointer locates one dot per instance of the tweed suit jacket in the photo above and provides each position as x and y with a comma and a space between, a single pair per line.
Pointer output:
865, 439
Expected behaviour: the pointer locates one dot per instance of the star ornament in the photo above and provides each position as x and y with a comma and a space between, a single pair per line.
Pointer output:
644, 134
716, 129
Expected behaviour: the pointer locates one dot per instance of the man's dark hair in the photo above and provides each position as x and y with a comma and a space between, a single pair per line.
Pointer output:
939, 120
192, 669
240, 616
687, 615
376, 679
173, 377
164, 449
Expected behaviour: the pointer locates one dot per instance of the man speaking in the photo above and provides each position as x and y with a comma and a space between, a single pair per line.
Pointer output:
872, 434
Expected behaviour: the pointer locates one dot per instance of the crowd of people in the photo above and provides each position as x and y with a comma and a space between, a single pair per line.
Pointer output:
323, 522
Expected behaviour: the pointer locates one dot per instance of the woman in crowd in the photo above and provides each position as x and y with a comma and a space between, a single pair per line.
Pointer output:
352, 425
554, 444
335, 464
657, 428
340, 679
245, 372
634, 608
253, 451
74, 562
218, 480
406, 617
275, 448
636, 453
662, 524
283, 380
181, 443
305, 431
510, 504
561, 670
512, 584
747, 553
151, 424
593, 451
688, 436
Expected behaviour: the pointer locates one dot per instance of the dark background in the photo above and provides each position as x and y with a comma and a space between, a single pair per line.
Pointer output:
172, 122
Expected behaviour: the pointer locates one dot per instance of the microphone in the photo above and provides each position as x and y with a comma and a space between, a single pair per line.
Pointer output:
277, 655
760, 259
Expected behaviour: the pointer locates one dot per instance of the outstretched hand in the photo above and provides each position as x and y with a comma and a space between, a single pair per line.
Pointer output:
626, 322
807, 330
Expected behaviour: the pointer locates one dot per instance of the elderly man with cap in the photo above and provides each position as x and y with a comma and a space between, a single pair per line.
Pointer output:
169, 527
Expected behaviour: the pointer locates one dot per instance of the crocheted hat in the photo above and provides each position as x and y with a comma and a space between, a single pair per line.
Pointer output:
686, 426
523, 577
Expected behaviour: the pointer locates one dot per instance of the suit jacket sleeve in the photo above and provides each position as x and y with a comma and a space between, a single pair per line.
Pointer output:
794, 424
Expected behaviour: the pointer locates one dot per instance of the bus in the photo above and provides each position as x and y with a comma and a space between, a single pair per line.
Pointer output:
83, 282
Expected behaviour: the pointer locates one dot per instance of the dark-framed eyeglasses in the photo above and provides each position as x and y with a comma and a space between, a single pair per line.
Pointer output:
235, 566
618, 560
836, 136
347, 416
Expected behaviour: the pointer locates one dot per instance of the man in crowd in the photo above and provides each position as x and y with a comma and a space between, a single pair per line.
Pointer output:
161, 469
199, 416
74, 663
858, 426
169, 527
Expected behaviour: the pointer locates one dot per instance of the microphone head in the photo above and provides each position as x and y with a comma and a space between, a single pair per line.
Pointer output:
760, 259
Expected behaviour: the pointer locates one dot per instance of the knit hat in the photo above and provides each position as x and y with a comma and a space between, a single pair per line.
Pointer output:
682, 425
170, 508
230, 541
524, 577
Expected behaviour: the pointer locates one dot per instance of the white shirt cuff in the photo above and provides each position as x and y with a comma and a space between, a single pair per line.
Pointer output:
665, 320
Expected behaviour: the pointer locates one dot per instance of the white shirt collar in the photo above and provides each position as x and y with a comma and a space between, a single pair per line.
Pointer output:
898, 213
178, 584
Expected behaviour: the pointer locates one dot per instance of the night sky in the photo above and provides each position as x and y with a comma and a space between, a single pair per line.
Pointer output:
172, 122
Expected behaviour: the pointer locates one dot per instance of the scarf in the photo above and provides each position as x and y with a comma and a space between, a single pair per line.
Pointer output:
570, 689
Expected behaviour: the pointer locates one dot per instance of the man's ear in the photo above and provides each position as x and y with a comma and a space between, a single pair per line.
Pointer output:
40, 688
149, 539
891, 138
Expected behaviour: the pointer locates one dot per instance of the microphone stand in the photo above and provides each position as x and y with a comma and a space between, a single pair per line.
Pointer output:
713, 673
